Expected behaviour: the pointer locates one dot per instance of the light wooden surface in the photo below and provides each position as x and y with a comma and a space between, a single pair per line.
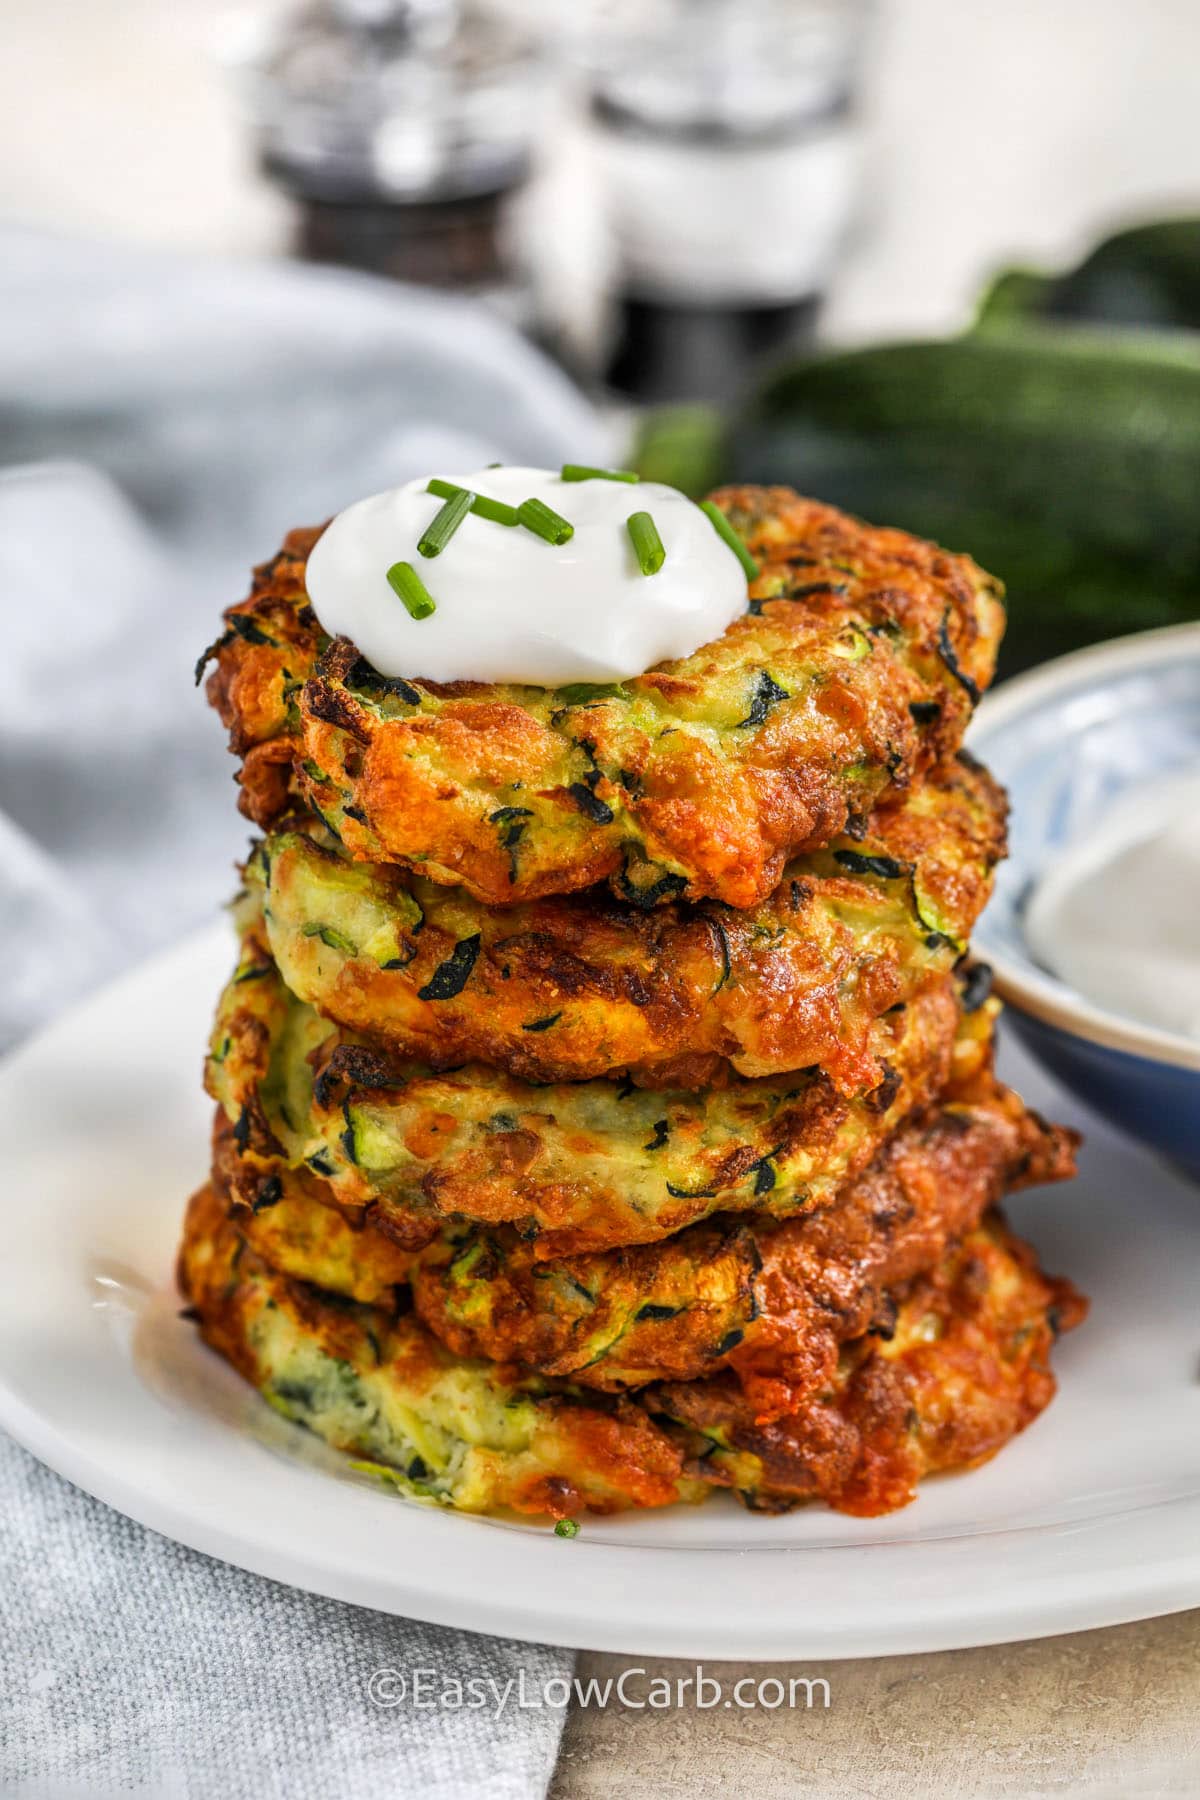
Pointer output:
1110, 1715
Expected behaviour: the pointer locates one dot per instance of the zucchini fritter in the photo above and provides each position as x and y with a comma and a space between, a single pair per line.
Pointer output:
570, 988
774, 1299
372, 1380
293, 1223
577, 1166
964, 1370
854, 669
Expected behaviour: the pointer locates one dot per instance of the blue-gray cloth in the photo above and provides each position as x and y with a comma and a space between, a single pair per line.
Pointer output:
163, 421
132, 1665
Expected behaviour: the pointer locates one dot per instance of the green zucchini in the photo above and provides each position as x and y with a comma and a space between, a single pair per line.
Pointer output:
1147, 276
1065, 461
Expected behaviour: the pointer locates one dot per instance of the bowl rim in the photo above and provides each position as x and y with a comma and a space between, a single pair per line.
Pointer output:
1034, 991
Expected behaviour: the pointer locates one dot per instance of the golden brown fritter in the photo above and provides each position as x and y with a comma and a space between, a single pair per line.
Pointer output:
854, 670
295, 1225
371, 1380
774, 1299
576, 1166
965, 1368
578, 986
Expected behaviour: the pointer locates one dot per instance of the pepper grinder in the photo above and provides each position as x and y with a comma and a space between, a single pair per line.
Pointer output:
402, 131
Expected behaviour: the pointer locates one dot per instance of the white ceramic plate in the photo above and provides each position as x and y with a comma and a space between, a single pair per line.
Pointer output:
1092, 1517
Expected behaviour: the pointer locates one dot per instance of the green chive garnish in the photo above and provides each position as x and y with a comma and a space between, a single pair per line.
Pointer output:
567, 1528
647, 545
481, 506
725, 530
544, 522
581, 472
445, 523
404, 581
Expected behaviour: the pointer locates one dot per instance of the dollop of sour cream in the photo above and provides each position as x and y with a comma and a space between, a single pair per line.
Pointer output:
1118, 916
510, 605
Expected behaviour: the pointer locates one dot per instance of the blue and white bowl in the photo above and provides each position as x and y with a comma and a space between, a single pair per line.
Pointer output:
1067, 740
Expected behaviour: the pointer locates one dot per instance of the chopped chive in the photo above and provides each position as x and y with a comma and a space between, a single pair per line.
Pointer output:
725, 530
407, 584
544, 522
497, 511
567, 1528
581, 472
647, 545
483, 508
445, 523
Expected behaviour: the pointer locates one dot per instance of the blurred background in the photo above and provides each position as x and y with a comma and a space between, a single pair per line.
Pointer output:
938, 263
980, 133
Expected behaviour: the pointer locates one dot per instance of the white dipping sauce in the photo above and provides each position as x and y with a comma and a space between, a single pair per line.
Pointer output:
512, 607
1118, 916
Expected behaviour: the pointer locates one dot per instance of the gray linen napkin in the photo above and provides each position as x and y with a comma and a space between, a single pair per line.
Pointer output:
129, 1664
204, 407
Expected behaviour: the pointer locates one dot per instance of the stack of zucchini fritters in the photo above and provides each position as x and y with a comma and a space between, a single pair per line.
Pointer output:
605, 1105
